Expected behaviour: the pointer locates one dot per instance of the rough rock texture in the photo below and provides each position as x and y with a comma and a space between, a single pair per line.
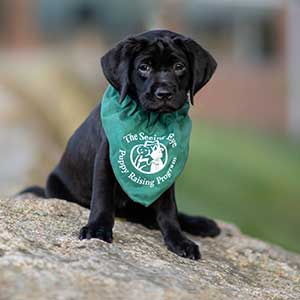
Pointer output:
41, 258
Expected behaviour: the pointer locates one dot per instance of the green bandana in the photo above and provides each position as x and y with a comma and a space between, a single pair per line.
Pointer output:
148, 150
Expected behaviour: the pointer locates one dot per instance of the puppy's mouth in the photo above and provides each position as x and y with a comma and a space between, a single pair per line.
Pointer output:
160, 108
153, 104
164, 109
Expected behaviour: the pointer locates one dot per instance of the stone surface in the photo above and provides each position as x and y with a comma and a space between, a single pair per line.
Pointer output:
41, 258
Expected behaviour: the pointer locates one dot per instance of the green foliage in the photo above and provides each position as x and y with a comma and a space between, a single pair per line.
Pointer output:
246, 178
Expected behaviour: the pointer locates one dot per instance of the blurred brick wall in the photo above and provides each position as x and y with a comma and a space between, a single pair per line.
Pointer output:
245, 95
239, 94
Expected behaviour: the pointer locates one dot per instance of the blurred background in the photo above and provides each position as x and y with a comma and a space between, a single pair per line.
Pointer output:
244, 164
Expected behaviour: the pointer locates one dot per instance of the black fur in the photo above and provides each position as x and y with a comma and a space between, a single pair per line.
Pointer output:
158, 69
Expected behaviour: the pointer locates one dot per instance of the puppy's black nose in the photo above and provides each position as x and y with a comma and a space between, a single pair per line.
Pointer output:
163, 94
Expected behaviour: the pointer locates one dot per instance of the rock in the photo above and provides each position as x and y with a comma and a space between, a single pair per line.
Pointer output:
42, 258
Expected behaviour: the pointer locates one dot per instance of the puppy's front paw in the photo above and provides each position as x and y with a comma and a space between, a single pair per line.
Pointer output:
185, 248
98, 232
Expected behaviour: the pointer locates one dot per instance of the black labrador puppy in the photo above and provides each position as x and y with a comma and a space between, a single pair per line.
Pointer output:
159, 69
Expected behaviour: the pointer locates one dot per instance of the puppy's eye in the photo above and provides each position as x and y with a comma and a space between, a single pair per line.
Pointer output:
179, 67
144, 68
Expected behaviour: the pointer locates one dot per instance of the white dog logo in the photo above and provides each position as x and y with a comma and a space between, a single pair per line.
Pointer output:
150, 157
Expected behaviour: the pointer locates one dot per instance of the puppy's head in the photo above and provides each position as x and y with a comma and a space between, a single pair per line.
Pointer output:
158, 69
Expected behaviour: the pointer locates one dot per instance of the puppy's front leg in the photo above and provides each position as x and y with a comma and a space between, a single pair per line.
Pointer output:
166, 215
101, 219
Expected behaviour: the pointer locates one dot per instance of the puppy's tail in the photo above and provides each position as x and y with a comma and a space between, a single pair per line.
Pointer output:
35, 190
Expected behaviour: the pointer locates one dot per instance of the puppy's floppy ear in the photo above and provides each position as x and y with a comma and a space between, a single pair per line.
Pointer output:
116, 64
202, 65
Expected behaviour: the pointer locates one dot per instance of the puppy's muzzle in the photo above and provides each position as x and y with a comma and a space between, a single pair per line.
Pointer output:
163, 94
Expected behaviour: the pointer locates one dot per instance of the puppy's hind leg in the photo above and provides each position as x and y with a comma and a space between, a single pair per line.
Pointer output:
55, 188
200, 226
